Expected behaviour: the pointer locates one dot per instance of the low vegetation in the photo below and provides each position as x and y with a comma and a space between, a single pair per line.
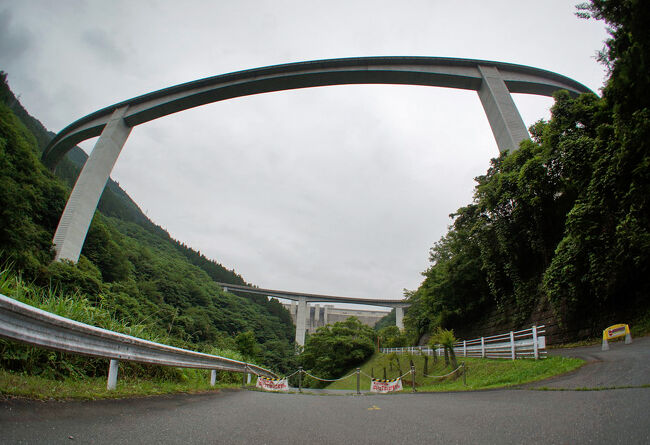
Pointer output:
481, 373
42, 373
14, 384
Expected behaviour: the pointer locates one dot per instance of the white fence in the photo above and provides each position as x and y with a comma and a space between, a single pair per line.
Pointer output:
527, 343
27, 324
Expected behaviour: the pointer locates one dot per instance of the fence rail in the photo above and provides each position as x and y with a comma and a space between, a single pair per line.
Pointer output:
27, 324
527, 343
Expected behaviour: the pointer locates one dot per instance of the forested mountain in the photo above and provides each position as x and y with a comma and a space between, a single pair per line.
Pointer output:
128, 264
562, 225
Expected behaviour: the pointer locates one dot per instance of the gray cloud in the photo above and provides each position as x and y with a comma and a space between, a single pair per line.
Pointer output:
15, 40
103, 46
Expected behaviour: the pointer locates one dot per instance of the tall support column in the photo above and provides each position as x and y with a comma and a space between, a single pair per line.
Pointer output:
326, 311
311, 325
80, 208
301, 320
507, 126
293, 311
399, 317
317, 316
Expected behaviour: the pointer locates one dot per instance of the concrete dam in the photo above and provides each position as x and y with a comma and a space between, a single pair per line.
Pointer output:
321, 315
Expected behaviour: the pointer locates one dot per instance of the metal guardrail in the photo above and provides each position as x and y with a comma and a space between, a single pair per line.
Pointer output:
527, 343
27, 324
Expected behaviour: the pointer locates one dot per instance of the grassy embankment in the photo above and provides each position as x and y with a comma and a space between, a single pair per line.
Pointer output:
481, 373
14, 384
38, 373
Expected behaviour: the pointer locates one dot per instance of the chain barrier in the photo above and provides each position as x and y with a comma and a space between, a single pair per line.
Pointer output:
462, 365
291, 375
358, 373
327, 380
406, 373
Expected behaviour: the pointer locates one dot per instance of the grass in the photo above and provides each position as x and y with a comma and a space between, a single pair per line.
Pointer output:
92, 388
481, 373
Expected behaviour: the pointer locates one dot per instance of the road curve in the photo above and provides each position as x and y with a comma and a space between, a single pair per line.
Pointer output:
250, 417
623, 365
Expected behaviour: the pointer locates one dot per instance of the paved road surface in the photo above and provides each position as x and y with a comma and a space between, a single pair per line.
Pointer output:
247, 417
622, 365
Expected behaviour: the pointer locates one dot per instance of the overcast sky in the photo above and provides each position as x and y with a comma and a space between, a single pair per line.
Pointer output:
338, 190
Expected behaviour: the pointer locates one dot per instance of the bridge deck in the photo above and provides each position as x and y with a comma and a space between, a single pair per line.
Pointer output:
313, 298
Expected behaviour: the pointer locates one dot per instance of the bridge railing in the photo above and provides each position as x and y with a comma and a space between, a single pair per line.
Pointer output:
27, 324
527, 343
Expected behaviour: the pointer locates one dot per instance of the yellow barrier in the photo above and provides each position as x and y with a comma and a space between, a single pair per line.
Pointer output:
615, 331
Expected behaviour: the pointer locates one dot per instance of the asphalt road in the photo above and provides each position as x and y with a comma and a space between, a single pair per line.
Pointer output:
622, 365
248, 417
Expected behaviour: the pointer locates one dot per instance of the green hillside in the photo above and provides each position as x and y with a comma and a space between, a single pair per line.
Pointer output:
559, 230
129, 265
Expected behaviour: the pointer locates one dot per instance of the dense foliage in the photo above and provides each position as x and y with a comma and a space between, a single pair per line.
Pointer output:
332, 349
392, 337
129, 266
565, 218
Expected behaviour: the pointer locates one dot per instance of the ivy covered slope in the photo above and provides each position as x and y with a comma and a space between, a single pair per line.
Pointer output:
563, 223
128, 263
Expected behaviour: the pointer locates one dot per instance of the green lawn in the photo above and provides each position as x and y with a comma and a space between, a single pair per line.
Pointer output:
481, 373
90, 388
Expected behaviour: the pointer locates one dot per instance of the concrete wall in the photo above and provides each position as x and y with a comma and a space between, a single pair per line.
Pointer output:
321, 315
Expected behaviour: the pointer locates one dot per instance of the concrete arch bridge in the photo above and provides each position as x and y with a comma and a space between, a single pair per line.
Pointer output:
493, 81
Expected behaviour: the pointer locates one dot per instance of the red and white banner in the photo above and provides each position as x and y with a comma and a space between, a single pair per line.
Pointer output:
384, 386
272, 384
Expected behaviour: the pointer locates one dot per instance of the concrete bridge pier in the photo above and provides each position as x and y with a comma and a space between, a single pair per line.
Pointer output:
399, 317
507, 125
301, 321
79, 210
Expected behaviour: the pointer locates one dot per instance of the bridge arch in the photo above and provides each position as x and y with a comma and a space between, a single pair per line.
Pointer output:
493, 81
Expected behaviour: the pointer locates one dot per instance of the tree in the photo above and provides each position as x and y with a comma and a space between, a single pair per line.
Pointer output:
447, 339
332, 350
392, 337
247, 344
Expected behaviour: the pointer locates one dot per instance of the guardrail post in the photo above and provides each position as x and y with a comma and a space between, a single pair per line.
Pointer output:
464, 348
535, 344
300, 379
112, 375
413, 378
243, 377
482, 347
358, 381
213, 377
512, 345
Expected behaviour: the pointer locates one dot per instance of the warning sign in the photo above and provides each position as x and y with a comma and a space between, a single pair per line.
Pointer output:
384, 386
618, 330
272, 384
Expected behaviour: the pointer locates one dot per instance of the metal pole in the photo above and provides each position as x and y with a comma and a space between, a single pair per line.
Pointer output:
300, 379
358, 381
413, 377
464, 375
112, 375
